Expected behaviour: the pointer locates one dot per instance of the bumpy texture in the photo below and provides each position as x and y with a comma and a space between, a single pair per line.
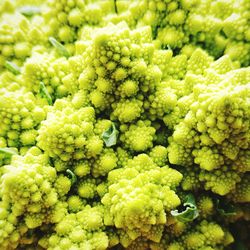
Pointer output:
32, 193
124, 124
139, 196
215, 132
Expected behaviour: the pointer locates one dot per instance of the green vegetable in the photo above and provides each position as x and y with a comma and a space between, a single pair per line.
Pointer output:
190, 211
44, 93
129, 121
72, 176
110, 136
12, 67
9, 151
115, 4
225, 208
59, 47
29, 10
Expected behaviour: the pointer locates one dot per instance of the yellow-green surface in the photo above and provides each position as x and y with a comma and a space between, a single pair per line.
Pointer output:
124, 124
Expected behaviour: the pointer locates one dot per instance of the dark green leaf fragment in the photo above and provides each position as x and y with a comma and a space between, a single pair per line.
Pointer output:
115, 4
12, 67
59, 47
190, 211
110, 136
72, 176
44, 93
29, 10
224, 208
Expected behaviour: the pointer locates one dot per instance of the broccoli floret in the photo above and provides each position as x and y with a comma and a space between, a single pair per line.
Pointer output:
204, 235
32, 188
74, 140
241, 193
21, 114
139, 137
124, 124
138, 199
79, 230
214, 131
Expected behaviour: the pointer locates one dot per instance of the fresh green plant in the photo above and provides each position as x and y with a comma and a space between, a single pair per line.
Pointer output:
124, 124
